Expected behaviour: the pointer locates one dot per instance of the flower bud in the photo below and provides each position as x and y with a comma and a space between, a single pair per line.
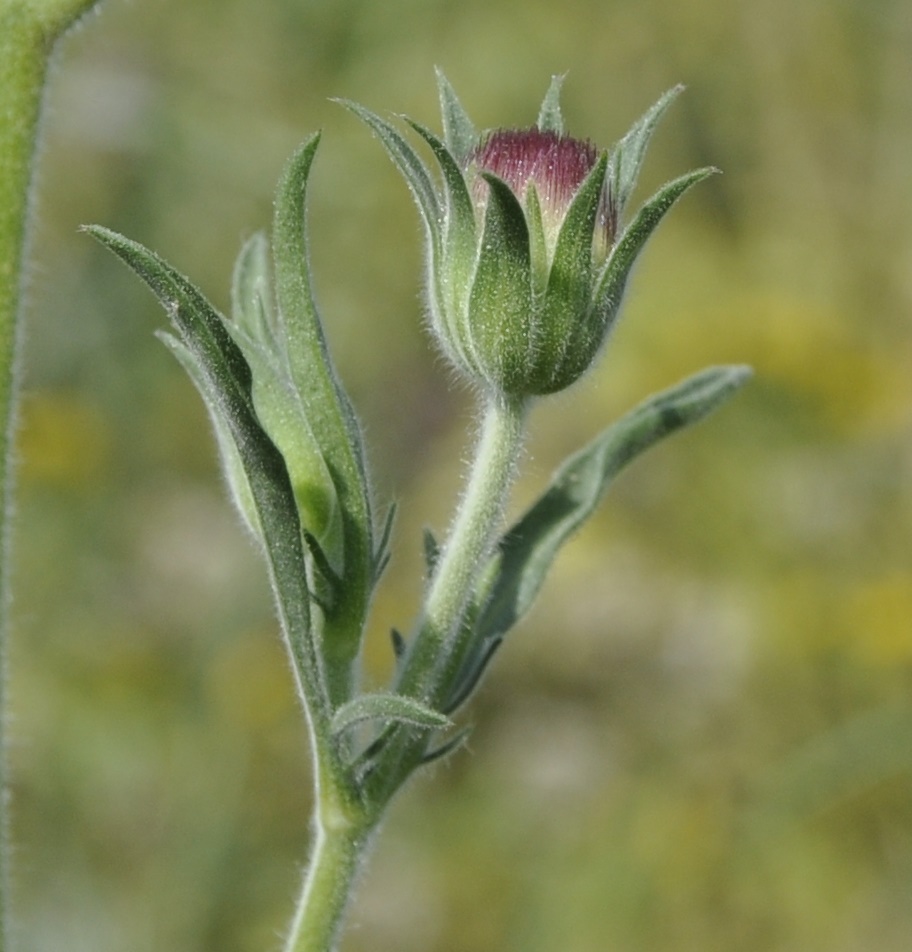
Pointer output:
527, 261
553, 164
541, 209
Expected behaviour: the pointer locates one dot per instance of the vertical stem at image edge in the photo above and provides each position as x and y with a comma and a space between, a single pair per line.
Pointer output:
28, 33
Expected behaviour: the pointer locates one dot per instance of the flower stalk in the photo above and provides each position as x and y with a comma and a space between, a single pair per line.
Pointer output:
476, 528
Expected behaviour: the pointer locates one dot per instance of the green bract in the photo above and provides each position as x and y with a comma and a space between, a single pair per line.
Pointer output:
527, 251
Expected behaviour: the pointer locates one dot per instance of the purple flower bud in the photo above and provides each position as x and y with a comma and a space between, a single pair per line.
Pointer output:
554, 164
527, 260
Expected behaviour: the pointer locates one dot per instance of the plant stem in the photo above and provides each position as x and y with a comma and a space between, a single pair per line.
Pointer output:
29, 30
440, 640
342, 829
338, 849
474, 531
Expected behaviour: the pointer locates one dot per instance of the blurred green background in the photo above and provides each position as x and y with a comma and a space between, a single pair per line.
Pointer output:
702, 738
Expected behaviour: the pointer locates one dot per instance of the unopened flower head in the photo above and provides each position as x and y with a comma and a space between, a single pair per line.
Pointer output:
527, 252
553, 164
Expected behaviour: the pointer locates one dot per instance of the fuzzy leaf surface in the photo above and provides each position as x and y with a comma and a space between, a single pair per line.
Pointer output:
628, 155
390, 708
549, 116
329, 420
528, 548
458, 131
224, 379
620, 262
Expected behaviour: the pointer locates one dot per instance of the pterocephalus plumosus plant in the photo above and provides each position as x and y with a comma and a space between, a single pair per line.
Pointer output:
529, 244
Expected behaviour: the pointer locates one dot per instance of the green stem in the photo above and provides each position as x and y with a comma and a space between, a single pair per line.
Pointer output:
474, 532
441, 639
29, 30
336, 859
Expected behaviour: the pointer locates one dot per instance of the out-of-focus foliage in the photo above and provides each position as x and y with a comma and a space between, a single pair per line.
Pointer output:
702, 738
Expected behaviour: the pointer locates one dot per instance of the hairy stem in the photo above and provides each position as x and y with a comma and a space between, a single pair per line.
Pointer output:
474, 531
337, 854
439, 641
29, 30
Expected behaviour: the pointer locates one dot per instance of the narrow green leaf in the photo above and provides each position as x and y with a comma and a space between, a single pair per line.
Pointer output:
330, 419
458, 131
327, 407
232, 464
399, 644
282, 412
251, 298
460, 228
223, 376
382, 550
431, 552
326, 589
413, 170
388, 708
613, 279
627, 156
549, 116
280, 405
527, 550
471, 672
449, 747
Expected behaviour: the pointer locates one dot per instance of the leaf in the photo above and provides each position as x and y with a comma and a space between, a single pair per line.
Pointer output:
627, 156
447, 748
398, 643
406, 159
459, 233
387, 708
232, 464
382, 550
526, 551
431, 551
282, 408
458, 131
613, 279
224, 379
471, 672
330, 420
549, 116
327, 408
251, 302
